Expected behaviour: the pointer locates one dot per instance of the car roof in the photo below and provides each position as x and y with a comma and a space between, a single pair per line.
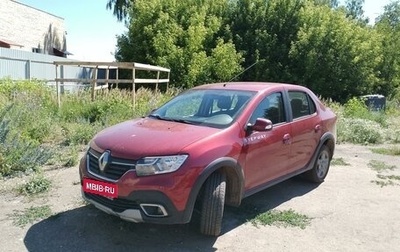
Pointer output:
247, 86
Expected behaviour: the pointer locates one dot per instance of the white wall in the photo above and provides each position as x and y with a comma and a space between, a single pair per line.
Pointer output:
31, 27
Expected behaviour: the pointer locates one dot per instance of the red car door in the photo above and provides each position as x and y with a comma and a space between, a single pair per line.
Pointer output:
306, 130
267, 152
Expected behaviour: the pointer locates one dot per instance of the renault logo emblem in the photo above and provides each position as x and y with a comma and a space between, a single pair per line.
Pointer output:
104, 160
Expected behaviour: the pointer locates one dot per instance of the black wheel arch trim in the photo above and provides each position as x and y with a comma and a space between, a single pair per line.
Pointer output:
326, 139
330, 138
234, 184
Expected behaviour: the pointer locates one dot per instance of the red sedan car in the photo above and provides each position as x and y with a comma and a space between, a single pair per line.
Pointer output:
209, 146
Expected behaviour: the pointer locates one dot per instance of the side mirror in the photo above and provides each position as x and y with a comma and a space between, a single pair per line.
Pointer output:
261, 124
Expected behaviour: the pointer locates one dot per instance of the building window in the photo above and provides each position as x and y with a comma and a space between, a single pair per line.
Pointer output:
37, 50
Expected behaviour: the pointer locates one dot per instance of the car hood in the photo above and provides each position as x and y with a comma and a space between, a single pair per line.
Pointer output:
138, 138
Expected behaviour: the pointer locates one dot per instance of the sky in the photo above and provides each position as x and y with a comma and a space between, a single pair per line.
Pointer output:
92, 29
372, 8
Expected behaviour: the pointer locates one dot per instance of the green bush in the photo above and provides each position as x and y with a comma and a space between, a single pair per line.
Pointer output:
36, 185
359, 131
17, 155
356, 108
360, 126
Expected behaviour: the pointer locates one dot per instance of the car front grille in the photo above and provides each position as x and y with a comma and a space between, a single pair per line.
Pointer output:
114, 170
117, 205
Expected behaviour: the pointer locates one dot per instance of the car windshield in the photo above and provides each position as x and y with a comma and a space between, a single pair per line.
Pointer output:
216, 108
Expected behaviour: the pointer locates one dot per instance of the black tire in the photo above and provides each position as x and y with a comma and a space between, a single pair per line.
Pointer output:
321, 167
212, 204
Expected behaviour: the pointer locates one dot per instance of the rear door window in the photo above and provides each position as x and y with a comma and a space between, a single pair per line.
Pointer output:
301, 104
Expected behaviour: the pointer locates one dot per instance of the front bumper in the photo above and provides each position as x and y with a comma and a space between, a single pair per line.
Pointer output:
133, 215
144, 206
150, 202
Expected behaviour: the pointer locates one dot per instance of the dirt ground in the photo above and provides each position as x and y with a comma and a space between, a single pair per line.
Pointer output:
348, 211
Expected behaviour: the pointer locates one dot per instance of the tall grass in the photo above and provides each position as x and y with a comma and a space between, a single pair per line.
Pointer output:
34, 121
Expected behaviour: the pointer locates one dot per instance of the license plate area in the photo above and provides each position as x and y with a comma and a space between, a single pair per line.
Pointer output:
105, 189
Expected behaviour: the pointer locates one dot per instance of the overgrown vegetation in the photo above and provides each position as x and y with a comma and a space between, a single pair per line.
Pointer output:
286, 218
18, 155
356, 124
71, 157
36, 185
33, 130
30, 215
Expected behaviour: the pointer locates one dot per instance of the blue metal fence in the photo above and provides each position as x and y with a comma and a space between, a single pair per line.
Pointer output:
22, 65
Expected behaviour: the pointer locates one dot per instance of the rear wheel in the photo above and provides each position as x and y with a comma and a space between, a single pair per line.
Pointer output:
212, 204
321, 167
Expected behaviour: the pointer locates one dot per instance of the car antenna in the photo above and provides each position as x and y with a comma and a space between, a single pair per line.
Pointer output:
255, 63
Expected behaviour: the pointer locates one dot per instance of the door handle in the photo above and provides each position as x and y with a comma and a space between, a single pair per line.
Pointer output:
317, 128
287, 139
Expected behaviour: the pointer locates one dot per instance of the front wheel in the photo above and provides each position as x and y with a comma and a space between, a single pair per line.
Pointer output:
212, 204
321, 167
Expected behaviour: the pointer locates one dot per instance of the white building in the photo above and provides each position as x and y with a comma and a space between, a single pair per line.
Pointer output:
26, 28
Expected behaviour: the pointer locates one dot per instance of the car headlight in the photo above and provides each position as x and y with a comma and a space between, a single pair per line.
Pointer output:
158, 165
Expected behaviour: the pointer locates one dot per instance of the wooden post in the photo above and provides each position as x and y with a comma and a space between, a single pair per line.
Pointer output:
94, 83
107, 76
116, 77
158, 79
62, 87
58, 89
168, 81
133, 87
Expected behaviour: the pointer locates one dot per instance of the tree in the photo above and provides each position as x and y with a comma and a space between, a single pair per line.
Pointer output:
331, 3
334, 57
391, 14
120, 8
313, 43
264, 31
186, 36
354, 10
388, 26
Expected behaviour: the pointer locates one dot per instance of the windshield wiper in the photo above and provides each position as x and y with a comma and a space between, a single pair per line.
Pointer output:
157, 116
182, 121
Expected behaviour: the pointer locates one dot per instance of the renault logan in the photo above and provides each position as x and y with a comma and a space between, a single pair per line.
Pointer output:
209, 146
